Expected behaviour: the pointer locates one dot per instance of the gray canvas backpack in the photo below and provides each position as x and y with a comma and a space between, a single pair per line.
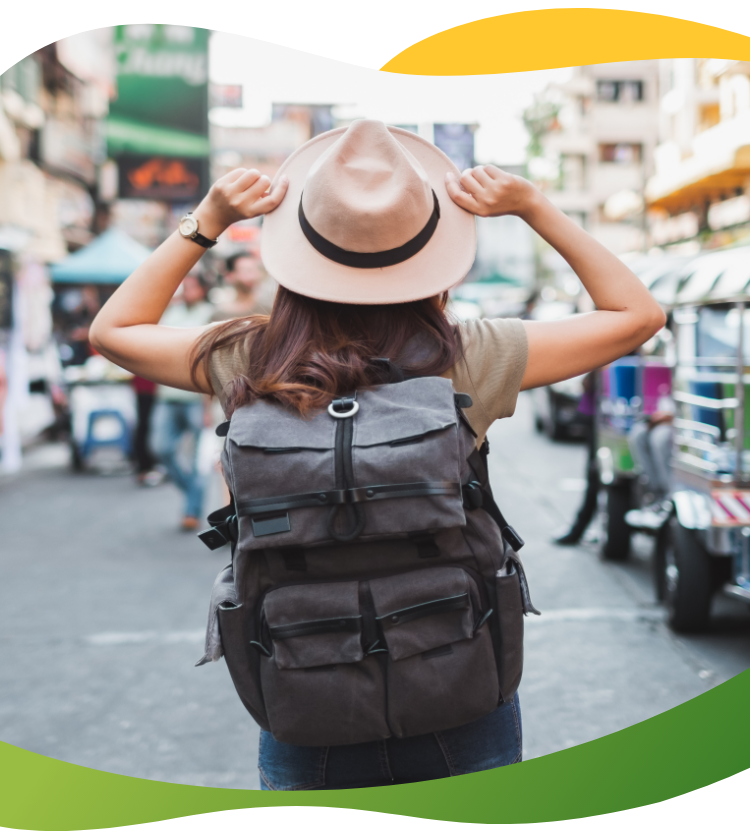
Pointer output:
374, 588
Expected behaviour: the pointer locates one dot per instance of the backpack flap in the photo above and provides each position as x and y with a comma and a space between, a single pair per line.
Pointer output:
313, 625
385, 462
425, 611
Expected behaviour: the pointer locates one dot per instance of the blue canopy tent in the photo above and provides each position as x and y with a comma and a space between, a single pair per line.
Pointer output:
107, 260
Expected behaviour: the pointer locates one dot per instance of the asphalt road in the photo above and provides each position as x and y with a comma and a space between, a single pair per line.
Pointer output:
103, 605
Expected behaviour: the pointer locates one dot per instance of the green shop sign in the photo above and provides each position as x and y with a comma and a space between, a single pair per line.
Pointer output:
161, 105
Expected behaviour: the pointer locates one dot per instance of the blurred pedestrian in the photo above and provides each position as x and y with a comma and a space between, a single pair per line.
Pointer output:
79, 320
252, 292
251, 285
586, 406
181, 415
145, 393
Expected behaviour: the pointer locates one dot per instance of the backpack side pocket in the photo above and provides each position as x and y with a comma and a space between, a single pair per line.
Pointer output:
241, 659
510, 612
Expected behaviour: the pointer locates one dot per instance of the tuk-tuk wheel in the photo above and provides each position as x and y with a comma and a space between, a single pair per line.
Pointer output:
619, 502
688, 580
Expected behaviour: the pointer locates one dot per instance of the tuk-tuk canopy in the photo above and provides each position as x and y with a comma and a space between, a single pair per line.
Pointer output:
714, 276
109, 259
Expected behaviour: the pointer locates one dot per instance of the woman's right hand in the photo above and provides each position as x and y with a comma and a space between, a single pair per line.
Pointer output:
237, 196
488, 191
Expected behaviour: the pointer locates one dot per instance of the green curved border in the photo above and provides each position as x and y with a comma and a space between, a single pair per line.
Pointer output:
695, 744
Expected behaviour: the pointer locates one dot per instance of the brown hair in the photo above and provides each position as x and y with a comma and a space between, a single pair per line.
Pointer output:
309, 351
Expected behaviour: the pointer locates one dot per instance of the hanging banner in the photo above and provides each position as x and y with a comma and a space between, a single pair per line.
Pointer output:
159, 117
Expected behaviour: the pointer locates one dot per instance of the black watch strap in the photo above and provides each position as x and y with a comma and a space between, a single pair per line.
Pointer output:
203, 241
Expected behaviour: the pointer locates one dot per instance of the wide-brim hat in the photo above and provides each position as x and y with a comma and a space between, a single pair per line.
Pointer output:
367, 219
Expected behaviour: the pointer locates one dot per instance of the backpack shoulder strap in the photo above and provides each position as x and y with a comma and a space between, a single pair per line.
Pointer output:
478, 494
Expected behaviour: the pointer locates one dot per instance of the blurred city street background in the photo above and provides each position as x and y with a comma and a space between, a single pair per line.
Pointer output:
106, 140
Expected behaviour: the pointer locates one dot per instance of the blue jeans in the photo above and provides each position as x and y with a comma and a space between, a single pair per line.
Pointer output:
170, 422
494, 740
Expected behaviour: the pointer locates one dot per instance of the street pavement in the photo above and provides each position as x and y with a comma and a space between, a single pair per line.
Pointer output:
103, 605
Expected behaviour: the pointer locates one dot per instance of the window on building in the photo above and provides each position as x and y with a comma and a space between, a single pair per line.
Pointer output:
622, 153
623, 92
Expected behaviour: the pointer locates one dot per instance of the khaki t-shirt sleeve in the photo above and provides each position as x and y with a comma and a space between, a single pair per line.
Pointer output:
495, 352
224, 365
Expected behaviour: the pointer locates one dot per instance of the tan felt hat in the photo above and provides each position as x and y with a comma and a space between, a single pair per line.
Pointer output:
367, 219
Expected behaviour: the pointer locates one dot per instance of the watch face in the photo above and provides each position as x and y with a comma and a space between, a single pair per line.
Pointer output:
188, 226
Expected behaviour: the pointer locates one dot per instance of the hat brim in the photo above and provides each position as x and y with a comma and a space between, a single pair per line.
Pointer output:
442, 263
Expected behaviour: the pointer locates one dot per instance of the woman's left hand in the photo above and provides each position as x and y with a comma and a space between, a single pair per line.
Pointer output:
237, 196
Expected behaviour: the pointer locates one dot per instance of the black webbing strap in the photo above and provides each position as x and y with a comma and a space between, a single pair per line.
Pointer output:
223, 528
369, 493
477, 494
345, 624
296, 500
454, 602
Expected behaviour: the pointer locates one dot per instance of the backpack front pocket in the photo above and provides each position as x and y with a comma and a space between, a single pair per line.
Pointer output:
319, 687
441, 669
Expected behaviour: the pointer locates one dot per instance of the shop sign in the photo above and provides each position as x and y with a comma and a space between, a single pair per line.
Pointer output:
730, 212
66, 147
175, 179
162, 89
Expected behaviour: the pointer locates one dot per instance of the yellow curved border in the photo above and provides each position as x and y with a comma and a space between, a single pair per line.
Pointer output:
549, 38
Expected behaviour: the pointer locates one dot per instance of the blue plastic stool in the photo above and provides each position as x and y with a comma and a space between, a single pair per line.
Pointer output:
123, 440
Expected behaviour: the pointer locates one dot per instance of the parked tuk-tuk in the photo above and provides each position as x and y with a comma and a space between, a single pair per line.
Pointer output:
705, 546
701, 529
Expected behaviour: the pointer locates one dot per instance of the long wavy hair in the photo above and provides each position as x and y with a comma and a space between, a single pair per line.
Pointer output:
308, 352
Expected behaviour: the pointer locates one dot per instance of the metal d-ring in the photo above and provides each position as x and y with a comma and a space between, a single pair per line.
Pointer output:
353, 411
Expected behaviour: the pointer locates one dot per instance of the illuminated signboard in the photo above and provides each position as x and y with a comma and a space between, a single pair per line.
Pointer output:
178, 179
157, 129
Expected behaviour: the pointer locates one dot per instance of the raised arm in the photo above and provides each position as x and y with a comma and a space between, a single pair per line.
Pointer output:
626, 316
127, 329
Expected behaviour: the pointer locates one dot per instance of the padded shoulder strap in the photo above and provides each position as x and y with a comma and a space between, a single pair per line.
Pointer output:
479, 495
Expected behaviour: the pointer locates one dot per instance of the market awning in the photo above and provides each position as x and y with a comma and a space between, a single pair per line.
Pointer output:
718, 169
109, 259
711, 276
708, 268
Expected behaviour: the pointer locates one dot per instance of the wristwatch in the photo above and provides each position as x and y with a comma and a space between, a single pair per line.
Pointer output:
188, 228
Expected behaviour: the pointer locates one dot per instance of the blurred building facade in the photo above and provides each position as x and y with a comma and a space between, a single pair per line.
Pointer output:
592, 148
52, 106
699, 194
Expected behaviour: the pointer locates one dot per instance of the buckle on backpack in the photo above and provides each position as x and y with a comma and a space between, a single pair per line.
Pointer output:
513, 538
213, 538
343, 407
220, 534
472, 495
